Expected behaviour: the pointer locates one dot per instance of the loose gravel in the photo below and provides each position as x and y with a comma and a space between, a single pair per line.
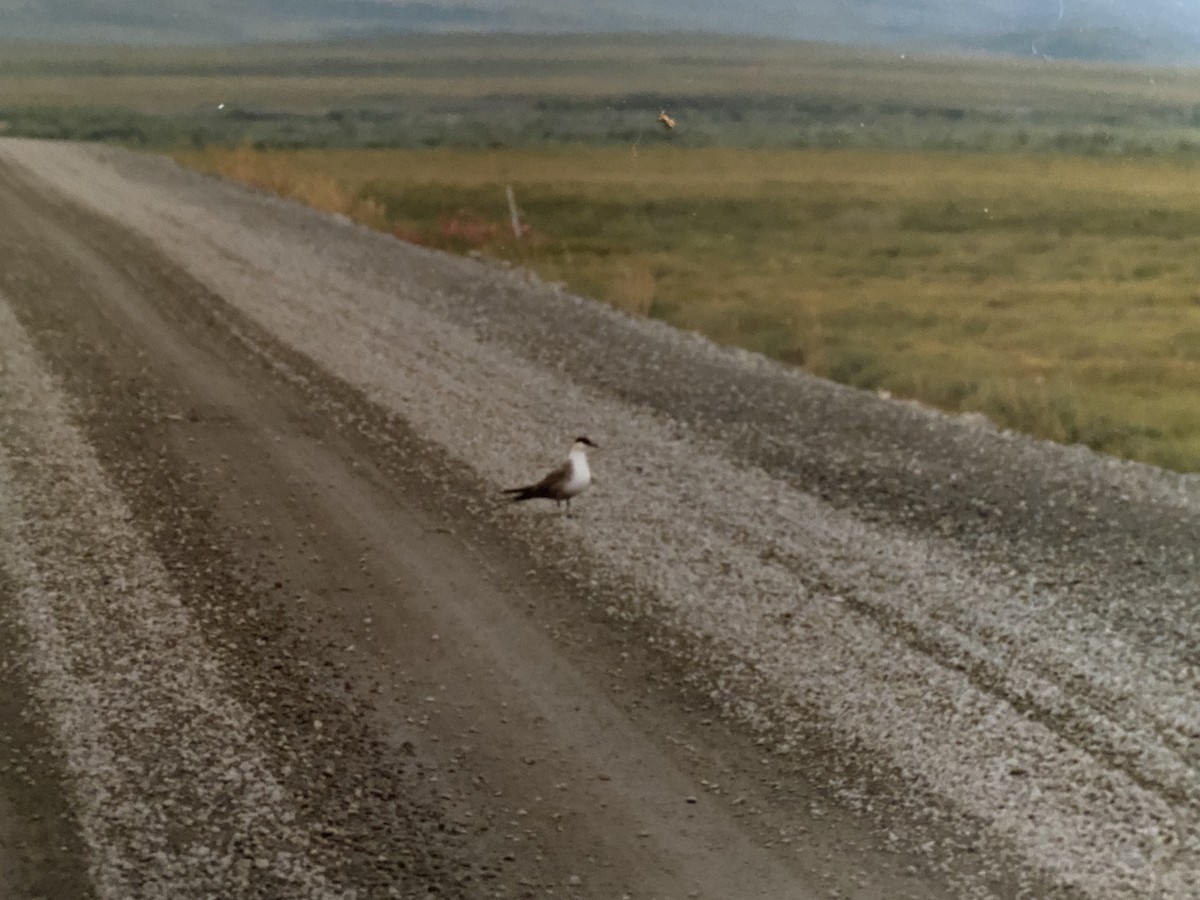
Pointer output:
137, 701
1008, 626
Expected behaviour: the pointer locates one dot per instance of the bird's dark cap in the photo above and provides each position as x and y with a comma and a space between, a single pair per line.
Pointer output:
584, 439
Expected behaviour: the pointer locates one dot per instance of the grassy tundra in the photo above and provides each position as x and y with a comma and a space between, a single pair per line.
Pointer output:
1056, 295
526, 91
1015, 238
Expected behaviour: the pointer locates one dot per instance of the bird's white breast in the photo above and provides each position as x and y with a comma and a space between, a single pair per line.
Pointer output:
581, 474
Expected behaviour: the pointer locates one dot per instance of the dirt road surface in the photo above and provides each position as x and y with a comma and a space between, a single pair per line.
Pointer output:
267, 629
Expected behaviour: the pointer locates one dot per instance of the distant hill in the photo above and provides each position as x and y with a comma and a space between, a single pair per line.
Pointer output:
1148, 31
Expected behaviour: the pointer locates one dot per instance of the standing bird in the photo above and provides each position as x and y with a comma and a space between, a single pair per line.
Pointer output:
570, 479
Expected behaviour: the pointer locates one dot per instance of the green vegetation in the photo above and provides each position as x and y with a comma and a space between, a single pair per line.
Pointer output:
511, 91
1055, 295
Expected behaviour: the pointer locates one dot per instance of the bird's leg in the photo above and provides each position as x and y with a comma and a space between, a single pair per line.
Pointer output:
569, 516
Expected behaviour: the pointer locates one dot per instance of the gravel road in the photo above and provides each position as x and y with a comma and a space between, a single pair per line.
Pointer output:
269, 631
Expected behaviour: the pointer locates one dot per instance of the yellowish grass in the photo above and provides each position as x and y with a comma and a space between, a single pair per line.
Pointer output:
1057, 295
632, 288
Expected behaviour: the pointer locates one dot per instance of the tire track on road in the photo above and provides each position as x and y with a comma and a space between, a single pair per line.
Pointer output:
175, 796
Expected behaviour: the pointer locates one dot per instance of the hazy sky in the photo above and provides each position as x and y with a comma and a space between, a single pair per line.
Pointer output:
1124, 27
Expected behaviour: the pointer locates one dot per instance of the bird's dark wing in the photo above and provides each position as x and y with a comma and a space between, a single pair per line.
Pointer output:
553, 483
550, 486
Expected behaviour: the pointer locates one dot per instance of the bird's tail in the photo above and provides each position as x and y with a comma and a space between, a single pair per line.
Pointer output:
516, 495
